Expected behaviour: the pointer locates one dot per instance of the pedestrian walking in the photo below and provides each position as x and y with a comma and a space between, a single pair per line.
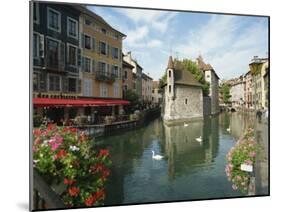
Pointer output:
259, 115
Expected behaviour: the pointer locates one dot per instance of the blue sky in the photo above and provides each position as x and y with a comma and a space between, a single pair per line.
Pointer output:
227, 42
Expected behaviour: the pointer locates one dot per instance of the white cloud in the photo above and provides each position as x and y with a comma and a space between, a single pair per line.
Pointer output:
223, 43
135, 37
155, 20
154, 43
138, 15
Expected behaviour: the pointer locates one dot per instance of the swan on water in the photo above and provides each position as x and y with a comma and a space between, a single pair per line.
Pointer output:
156, 157
199, 139
185, 124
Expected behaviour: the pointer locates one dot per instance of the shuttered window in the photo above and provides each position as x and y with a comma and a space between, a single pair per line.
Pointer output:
87, 87
54, 83
72, 84
35, 45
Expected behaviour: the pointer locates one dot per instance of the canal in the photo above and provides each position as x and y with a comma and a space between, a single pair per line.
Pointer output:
190, 170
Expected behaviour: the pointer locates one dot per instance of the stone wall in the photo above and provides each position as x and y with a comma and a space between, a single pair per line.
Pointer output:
187, 103
206, 105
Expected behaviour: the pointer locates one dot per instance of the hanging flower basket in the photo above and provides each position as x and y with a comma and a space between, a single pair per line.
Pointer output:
240, 161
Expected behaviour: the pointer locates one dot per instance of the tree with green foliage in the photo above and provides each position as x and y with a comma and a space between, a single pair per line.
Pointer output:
225, 91
192, 67
132, 97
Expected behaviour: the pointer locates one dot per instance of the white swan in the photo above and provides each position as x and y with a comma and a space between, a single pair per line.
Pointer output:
199, 139
185, 124
156, 157
228, 129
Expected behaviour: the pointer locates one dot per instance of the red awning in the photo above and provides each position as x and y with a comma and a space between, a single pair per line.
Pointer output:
49, 102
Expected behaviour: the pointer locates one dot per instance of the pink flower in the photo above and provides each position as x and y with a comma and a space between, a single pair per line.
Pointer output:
238, 177
54, 146
252, 154
55, 142
234, 187
249, 162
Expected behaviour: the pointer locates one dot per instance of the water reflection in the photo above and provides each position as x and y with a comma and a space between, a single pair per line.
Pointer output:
190, 169
237, 122
184, 152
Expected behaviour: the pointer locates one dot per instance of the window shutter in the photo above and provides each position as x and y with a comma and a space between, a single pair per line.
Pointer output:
83, 40
99, 47
42, 82
67, 54
120, 73
120, 55
108, 70
93, 65
83, 63
78, 85
79, 57
108, 50
93, 44
112, 69
112, 52
62, 55
99, 66
64, 84
41, 46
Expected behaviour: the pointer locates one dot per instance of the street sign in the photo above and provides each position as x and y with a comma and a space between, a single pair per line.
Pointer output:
246, 167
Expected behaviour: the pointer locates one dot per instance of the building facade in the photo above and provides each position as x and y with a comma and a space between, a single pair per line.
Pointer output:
156, 93
77, 63
260, 70
55, 51
146, 88
212, 78
248, 91
55, 55
183, 98
101, 57
137, 70
237, 92
128, 79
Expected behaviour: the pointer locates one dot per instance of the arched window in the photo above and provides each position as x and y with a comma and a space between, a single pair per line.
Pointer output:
169, 89
169, 73
185, 101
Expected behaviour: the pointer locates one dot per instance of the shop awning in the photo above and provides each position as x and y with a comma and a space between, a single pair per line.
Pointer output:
51, 102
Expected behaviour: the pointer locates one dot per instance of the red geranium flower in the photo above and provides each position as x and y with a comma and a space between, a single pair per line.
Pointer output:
90, 200
60, 154
103, 152
37, 132
100, 194
97, 168
73, 191
68, 182
51, 126
73, 130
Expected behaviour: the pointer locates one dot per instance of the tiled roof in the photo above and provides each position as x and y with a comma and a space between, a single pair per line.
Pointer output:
205, 67
170, 63
184, 77
125, 64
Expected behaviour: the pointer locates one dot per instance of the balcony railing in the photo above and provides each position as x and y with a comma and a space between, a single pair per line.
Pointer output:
105, 76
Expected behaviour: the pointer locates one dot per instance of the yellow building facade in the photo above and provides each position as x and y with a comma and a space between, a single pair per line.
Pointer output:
101, 57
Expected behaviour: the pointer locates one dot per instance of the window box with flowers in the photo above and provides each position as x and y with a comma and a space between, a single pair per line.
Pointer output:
70, 166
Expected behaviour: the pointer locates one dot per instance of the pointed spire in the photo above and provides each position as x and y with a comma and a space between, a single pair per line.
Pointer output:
170, 63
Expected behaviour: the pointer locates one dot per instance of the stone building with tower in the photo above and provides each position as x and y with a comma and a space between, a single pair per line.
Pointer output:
213, 79
183, 97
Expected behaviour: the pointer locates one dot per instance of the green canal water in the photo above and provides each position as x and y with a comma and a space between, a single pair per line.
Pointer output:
190, 170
